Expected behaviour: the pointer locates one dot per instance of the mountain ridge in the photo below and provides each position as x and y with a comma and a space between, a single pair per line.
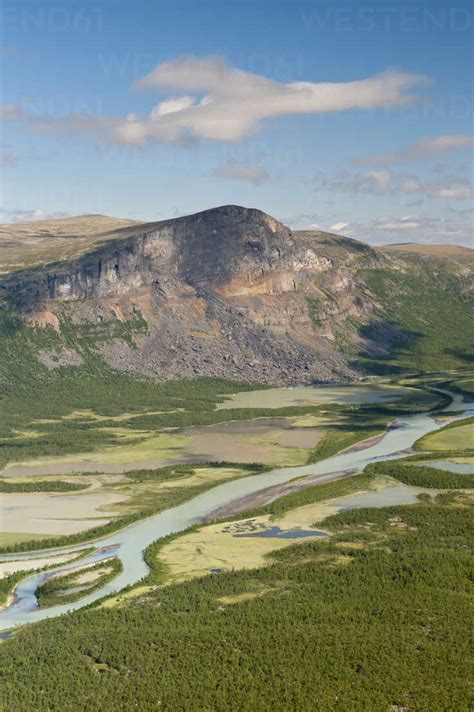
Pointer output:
102, 229
229, 292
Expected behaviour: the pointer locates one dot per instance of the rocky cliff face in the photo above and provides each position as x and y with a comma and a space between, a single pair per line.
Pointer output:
227, 292
230, 249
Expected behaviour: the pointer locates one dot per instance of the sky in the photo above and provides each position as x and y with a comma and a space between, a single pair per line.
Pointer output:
351, 117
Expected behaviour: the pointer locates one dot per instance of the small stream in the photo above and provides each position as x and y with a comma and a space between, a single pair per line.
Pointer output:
130, 543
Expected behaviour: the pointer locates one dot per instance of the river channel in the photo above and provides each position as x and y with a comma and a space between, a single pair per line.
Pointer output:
129, 544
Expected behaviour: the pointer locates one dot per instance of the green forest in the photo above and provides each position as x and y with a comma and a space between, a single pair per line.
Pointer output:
380, 628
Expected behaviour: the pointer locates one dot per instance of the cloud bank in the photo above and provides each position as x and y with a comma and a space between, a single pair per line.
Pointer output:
385, 182
214, 101
389, 229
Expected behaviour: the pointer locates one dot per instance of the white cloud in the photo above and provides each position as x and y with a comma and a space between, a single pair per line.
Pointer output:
339, 226
424, 150
171, 106
230, 103
236, 171
419, 228
222, 103
131, 132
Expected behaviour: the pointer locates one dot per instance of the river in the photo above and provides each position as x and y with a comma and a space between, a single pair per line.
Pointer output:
129, 544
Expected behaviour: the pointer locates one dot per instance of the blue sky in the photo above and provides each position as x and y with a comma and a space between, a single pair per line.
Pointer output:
354, 117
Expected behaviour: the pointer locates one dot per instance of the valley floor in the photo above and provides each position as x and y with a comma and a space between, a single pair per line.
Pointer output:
348, 594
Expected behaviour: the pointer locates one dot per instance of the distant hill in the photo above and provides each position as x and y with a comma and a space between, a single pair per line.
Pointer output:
231, 292
30, 244
427, 249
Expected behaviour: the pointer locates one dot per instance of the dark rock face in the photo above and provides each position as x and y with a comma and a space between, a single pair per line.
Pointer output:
220, 245
204, 250
224, 293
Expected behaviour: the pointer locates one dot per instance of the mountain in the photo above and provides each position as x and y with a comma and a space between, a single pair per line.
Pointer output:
231, 292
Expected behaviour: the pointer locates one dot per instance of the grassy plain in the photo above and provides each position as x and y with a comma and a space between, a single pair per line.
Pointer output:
455, 436
320, 395
24, 245
8, 539
279, 441
233, 545
342, 438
